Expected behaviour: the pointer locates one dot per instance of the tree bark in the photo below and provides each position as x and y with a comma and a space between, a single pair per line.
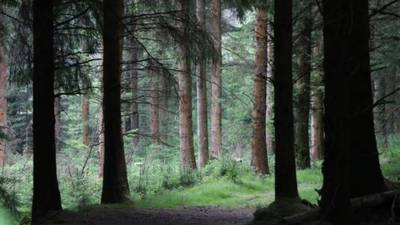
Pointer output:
155, 102
101, 142
115, 182
135, 54
185, 91
46, 195
302, 99
216, 84
85, 120
57, 124
259, 143
317, 117
270, 133
202, 113
317, 106
351, 167
3, 101
285, 166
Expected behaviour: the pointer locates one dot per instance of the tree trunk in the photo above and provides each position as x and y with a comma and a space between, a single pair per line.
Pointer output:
216, 84
155, 102
115, 183
85, 120
351, 167
259, 144
285, 166
185, 92
3, 102
46, 195
101, 141
57, 124
381, 112
317, 117
317, 106
134, 80
202, 114
270, 133
302, 99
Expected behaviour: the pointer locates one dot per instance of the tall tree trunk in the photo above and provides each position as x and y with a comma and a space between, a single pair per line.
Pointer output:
381, 109
3, 101
135, 54
85, 120
46, 195
185, 91
100, 134
202, 114
270, 133
317, 106
259, 143
155, 102
216, 84
317, 129
115, 182
302, 99
57, 124
285, 166
351, 167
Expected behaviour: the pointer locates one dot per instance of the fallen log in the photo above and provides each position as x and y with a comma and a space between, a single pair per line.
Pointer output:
356, 203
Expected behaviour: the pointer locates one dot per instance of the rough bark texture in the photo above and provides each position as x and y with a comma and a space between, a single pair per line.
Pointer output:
317, 121
317, 106
85, 120
185, 92
3, 101
381, 111
202, 114
155, 102
100, 132
270, 133
134, 81
216, 110
46, 195
115, 183
57, 124
259, 156
285, 166
302, 99
351, 167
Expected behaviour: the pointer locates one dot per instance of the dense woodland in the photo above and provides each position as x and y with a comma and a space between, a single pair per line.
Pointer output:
285, 109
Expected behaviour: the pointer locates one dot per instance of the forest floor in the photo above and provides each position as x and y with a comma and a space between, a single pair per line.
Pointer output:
178, 216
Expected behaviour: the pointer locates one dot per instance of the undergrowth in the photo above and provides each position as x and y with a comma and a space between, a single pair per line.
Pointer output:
156, 181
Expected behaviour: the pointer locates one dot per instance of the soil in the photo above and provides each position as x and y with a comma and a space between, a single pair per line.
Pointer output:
179, 216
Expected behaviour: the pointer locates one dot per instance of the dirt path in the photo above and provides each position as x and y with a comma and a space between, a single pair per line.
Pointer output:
181, 216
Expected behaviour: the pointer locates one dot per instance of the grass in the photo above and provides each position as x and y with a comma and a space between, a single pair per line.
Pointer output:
248, 191
251, 191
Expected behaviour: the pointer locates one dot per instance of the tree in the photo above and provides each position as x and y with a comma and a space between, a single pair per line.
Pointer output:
317, 106
185, 90
302, 98
3, 98
270, 92
46, 195
135, 54
202, 114
85, 120
216, 85
285, 168
259, 143
155, 101
115, 182
351, 167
